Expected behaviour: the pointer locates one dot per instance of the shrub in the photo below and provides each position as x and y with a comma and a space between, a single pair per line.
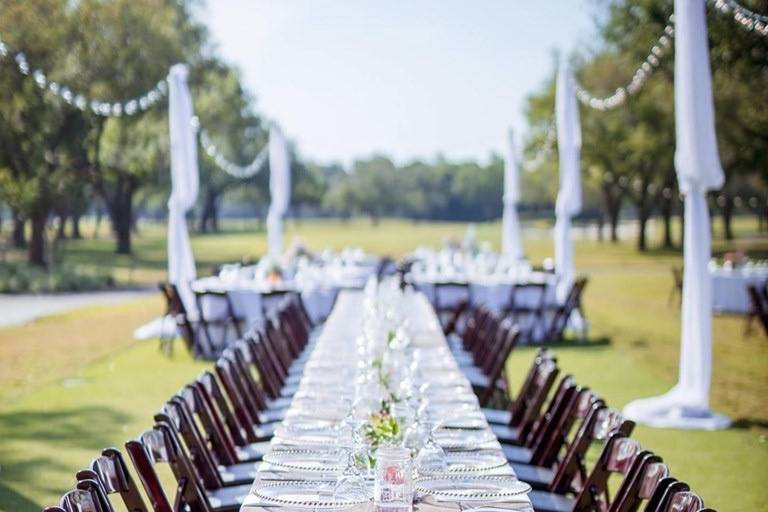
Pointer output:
20, 278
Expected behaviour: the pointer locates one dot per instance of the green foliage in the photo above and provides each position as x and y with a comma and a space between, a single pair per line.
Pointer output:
21, 278
636, 140
441, 190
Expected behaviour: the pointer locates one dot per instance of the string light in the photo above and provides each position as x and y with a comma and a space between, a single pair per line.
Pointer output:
748, 19
641, 75
544, 151
81, 102
234, 170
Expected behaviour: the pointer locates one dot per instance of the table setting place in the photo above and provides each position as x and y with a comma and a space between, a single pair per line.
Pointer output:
383, 419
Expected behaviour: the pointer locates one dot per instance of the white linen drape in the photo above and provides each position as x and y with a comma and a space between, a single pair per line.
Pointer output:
279, 189
698, 170
511, 237
569, 195
184, 184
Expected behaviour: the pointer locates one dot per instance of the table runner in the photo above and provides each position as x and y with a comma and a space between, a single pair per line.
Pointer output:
336, 342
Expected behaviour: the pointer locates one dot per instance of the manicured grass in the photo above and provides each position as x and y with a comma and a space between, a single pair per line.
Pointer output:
729, 468
62, 346
72, 384
55, 431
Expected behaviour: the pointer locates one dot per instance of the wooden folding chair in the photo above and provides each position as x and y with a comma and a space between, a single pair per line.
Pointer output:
537, 445
645, 476
88, 496
514, 424
448, 296
617, 457
539, 465
526, 306
758, 309
679, 498
562, 314
509, 336
174, 307
571, 473
224, 327
677, 285
112, 473
243, 449
161, 446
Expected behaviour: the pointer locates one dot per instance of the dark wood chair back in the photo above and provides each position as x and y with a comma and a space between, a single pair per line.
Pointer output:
527, 405
758, 309
647, 471
549, 432
661, 489
209, 388
112, 473
444, 307
507, 339
563, 313
677, 285
213, 427
160, 446
88, 496
174, 307
617, 457
598, 424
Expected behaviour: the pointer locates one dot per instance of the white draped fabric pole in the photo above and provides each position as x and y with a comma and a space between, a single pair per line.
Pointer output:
184, 184
698, 170
569, 195
511, 237
279, 189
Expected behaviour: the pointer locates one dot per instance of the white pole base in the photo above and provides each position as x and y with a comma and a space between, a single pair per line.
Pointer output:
668, 411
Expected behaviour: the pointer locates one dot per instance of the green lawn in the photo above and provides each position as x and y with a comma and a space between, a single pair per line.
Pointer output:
74, 383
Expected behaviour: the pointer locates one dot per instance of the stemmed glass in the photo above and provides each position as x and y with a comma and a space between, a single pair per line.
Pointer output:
350, 483
431, 458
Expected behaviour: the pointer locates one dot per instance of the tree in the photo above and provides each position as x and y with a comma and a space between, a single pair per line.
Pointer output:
226, 112
126, 48
40, 150
739, 61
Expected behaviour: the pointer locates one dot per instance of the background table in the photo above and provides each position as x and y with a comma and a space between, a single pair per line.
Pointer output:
729, 288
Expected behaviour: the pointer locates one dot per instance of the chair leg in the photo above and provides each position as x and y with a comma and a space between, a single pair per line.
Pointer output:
748, 323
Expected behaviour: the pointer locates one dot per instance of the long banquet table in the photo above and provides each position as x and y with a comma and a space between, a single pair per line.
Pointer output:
335, 347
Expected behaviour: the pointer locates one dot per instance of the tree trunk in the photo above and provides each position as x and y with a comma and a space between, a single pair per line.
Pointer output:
19, 232
614, 221
612, 202
76, 234
642, 243
97, 224
666, 212
122, 223
727, 215
643, 214
36, 251
61, 227
120, 208
209, 217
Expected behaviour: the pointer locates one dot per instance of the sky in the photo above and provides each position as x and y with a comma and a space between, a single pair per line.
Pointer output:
407, 78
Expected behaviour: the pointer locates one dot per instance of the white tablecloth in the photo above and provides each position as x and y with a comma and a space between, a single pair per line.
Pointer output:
493, 291
336, 345
729, 288
250, 299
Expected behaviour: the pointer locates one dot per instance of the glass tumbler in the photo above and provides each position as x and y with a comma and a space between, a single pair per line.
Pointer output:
393, 488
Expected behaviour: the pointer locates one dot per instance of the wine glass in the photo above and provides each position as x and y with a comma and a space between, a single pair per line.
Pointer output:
431, 458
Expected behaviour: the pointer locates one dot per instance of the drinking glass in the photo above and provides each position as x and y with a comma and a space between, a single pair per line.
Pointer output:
393, 491
431, 459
